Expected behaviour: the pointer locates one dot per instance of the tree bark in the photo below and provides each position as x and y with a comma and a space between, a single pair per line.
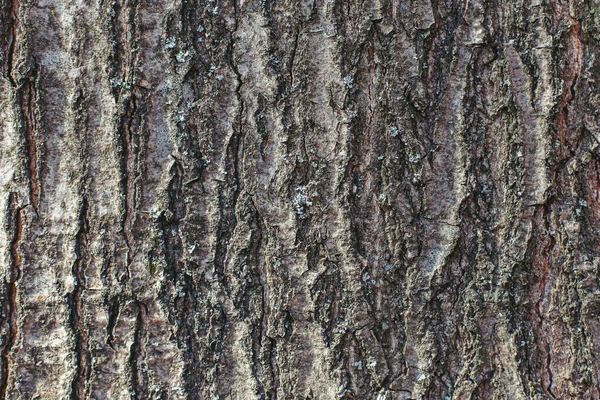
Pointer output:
299, 199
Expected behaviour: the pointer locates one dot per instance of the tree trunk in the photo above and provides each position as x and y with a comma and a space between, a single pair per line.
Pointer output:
299, 199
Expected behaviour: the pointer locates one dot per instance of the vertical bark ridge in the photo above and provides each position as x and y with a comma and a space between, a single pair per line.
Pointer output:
307, 199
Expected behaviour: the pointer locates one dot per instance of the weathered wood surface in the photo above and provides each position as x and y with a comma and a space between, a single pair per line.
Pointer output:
313, 199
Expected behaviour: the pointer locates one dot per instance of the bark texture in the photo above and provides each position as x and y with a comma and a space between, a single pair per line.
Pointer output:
299, 199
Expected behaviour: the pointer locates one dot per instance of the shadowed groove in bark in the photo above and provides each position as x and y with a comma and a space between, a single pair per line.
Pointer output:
8, 37
26, 95
15, 216
114, 308
139, 385
124, 28
77, 316
127, 145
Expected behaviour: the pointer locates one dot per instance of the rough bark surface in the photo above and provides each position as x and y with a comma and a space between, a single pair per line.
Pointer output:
299, 199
